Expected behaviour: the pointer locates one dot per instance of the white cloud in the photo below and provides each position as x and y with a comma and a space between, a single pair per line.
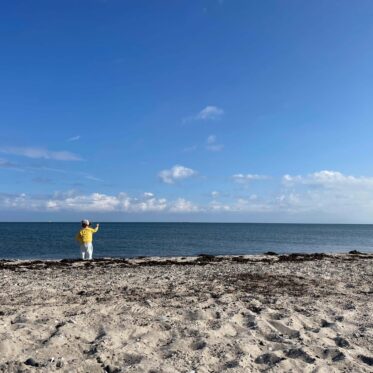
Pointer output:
31, 152
328, 192
209, 112
74, 138
183, 205
148, 195
328, 179
324, 196
247, 178
176, 173
321, 196
212, 145
95, 202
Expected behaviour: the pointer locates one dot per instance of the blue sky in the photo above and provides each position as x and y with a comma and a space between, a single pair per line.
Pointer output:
234, 110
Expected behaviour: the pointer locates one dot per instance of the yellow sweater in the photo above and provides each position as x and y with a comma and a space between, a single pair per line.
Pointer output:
85, 235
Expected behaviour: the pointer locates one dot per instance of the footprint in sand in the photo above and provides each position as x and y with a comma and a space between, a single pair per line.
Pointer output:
214, 324
249, 321
366, 359
298, 353
194, 315
198, 345
273, 337
341, 342
332, 354
231, 364
285, 330
278, 316
326, 324
268, 359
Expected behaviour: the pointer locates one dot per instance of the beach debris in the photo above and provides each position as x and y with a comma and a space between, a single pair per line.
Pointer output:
207, 258
355, 252
148, 302
300, 257
240, 259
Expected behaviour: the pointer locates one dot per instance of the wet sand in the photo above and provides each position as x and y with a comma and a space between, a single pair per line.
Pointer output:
288, 313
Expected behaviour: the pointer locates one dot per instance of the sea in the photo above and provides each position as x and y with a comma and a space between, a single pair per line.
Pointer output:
128, 240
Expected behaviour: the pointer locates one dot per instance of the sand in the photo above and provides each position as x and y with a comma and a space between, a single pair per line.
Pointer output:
297, 313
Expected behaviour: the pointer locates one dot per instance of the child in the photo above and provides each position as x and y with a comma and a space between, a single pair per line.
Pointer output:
84, 237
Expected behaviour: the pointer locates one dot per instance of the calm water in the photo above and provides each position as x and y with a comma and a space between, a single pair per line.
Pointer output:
56, 240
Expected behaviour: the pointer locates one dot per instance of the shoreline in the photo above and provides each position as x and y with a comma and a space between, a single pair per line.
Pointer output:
201, 314
201, 259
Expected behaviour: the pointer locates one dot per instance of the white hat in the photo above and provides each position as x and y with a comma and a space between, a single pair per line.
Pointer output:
85, 221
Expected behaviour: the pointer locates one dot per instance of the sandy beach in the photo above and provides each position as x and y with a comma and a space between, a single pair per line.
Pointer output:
287, 313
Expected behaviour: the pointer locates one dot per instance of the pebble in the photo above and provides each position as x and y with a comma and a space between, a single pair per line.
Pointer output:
31, 362
60, 363
341, 342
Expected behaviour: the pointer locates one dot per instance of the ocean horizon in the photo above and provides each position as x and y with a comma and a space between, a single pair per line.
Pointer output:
55, 240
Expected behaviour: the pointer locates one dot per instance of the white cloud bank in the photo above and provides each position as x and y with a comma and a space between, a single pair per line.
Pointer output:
324, 196
176, 173
95, 202
328, 179
31, 152
328, 192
